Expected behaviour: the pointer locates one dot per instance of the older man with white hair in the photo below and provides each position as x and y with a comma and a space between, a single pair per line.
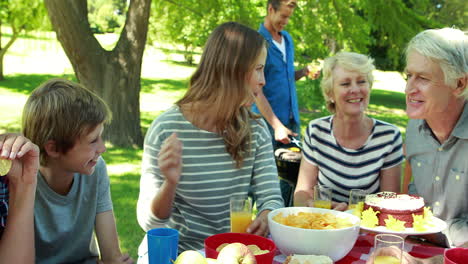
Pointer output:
437, 133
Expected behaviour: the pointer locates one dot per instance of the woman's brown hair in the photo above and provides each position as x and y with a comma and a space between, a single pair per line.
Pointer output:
219, 84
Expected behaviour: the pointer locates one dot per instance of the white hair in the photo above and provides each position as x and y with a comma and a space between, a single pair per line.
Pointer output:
446, 46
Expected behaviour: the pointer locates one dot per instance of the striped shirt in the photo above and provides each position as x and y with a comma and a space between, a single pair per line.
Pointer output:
344, 169
209, 178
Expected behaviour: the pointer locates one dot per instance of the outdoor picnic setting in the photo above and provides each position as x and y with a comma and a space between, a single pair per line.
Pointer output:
233, 132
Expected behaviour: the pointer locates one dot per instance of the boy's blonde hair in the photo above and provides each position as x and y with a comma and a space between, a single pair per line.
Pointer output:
62, 111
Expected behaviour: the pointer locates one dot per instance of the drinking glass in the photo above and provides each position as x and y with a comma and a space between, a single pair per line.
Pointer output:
314, 67
322, 196
388, 249
162, 245
241, 214
356, 201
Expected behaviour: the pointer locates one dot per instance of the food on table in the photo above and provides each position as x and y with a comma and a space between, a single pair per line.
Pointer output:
236, 253
308, 259
221, 246
5, 166
394, 224
357, 208
309, 220
190, 257
423, 222
256, 250
369, 218
401, 207
253, 248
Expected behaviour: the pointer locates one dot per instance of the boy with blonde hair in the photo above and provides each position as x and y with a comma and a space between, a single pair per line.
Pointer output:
73, 202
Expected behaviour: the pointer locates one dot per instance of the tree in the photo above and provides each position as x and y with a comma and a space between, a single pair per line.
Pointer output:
319, 28
21, 16
114, 75
380, 28
190, 22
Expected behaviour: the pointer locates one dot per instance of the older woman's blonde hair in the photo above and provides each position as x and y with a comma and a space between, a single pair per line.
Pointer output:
446, 46
350, 61
219, 84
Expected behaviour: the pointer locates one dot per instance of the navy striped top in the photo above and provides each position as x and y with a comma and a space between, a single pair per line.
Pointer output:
344, 169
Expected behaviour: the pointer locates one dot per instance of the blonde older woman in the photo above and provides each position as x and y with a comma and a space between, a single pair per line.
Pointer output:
349, 150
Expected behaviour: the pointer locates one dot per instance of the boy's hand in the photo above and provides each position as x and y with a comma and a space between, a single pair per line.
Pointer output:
170, 159
24, 155
124, 259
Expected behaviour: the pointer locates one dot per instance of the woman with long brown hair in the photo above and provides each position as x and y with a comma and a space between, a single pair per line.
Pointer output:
210, 147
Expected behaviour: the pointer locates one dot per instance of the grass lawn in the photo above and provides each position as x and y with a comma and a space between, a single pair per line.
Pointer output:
39, 57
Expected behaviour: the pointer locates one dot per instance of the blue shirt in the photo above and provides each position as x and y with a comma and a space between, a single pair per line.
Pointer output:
280, 87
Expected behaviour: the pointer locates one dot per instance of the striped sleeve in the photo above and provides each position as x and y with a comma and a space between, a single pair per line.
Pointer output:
265, 182
151, 179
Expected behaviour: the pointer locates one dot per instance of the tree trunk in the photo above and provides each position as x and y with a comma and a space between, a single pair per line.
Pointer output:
1, 56
3, 50
113, 75
1, 68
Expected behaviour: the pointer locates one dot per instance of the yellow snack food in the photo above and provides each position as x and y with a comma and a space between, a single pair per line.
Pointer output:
313, 220
5, 166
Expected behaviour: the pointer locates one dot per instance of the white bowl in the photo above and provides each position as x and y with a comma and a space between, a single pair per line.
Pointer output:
335, 243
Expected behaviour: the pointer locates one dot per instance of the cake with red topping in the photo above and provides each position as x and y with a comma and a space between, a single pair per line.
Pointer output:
399, 206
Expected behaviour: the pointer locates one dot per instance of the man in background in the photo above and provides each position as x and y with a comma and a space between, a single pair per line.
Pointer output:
277, 102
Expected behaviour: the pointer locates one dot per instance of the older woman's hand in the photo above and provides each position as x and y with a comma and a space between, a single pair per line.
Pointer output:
339, 206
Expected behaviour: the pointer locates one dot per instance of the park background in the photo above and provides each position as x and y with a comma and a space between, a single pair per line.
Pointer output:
172, 36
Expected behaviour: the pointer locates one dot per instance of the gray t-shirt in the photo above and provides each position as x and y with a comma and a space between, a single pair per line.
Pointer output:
440, 174
64, 225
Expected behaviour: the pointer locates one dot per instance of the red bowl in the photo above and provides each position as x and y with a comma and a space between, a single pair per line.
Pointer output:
212, 242
456, 255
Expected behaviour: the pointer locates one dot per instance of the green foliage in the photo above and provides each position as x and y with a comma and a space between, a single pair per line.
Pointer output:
23, 15
106, 15
189, 22
380, 28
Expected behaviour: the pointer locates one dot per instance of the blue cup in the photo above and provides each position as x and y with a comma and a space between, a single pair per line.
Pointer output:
162, 245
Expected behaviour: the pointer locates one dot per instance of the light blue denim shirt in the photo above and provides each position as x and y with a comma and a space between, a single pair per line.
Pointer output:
440, 174
280, 87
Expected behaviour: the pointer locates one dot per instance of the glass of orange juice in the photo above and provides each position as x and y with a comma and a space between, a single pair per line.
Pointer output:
356, 201
388, 249
322, 196
241, 213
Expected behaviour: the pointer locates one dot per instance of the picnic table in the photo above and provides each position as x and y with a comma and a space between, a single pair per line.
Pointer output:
365, 243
